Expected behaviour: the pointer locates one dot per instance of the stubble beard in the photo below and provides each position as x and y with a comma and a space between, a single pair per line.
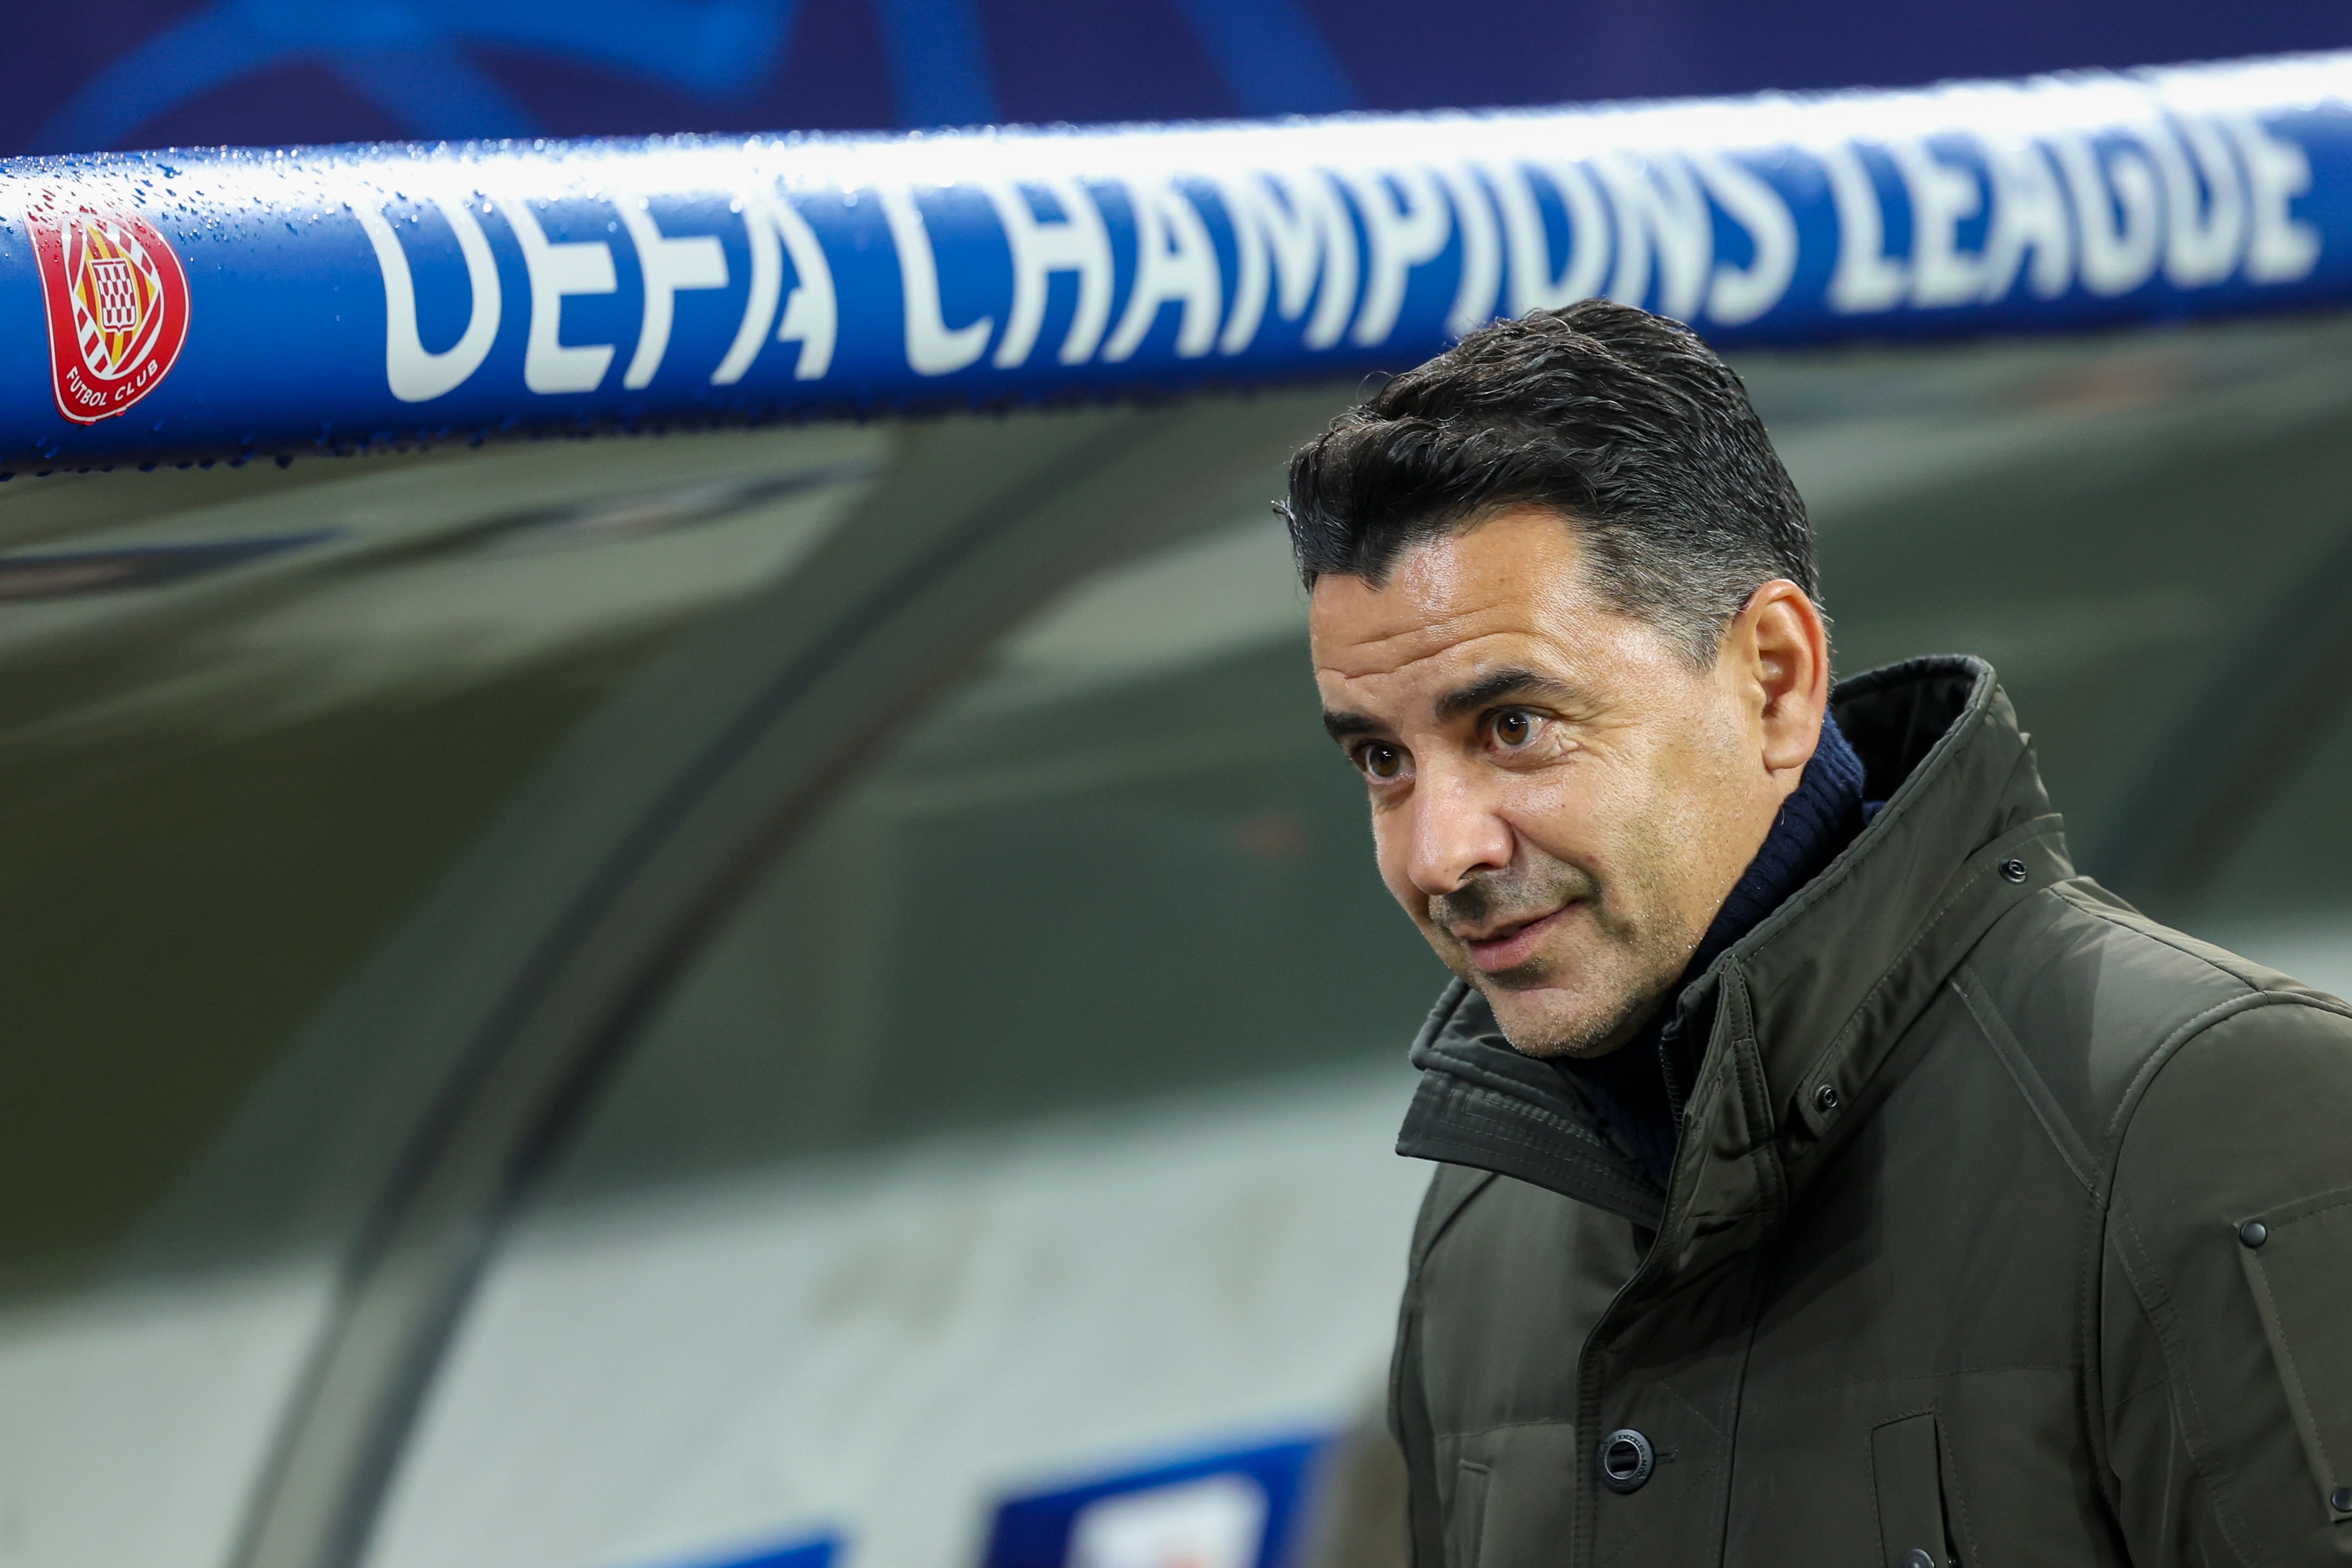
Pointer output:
1631, 950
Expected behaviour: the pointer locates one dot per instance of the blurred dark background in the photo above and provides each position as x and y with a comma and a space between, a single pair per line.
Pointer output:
84, 75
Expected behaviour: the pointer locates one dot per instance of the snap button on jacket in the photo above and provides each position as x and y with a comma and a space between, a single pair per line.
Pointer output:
1950, 1267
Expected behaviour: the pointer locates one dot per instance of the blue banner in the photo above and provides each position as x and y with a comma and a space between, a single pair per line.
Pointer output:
227, 305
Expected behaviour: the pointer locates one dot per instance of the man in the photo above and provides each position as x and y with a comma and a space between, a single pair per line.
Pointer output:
1830, 1175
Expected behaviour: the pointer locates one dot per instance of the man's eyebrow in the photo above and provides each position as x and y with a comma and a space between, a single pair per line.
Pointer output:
1343, 726
1510, 683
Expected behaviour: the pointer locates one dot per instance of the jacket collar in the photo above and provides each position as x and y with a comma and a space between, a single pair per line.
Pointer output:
1800, 1013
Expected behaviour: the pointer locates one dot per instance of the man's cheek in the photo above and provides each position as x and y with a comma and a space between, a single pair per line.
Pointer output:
1558, 814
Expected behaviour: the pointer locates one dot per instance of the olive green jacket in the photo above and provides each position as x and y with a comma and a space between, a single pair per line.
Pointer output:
2008, 1227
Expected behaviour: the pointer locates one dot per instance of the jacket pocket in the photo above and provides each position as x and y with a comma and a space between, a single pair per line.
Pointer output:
1907, 1469
1466, 1525
2298, 1262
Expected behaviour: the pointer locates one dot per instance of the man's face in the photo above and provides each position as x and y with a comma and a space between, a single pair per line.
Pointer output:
1561, 800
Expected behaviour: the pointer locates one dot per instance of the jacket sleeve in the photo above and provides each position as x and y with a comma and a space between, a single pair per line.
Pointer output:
2223, 1339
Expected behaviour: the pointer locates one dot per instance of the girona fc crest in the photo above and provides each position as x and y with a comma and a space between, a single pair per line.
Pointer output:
117, 302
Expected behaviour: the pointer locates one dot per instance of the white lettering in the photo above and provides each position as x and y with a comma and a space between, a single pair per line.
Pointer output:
1074, 242
2204, 207
1661, 213
418, 374
1942, 198
1406, 225
1743, 293
669, 265
558, 270
812, 316
1866, 279
1482, 251
2118, 210
1296, 222
932, 349
2029, 214
1536, 282
2282, 247
1175, 263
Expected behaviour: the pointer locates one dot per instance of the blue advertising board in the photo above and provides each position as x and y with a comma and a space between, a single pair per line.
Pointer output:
1238, 1508
227, 305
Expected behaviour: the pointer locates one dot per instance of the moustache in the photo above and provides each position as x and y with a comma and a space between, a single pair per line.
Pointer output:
1511, 894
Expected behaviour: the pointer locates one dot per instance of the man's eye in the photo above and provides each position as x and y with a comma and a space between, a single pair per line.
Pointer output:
1382, 762
1514, 727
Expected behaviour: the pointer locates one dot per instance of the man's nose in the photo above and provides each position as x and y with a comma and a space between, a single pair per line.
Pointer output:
1455, 829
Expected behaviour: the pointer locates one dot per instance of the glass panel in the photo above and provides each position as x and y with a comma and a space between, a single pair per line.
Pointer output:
246, 720
2279, 886
1028, 1127
2100, 520
1123, 862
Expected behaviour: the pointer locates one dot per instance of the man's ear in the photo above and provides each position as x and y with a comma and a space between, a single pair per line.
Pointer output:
1781, 646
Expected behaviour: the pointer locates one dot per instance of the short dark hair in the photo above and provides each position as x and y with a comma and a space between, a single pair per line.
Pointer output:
1624, 421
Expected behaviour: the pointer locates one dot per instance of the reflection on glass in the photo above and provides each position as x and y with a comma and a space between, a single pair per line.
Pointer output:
1022, 1145
1123, 862
245, 721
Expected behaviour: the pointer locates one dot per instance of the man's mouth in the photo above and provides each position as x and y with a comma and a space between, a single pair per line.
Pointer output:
1507, 945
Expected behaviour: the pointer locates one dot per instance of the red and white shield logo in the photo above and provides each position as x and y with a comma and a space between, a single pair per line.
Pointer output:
117, 302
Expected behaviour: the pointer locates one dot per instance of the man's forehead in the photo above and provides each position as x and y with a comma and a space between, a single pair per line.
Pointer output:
1433, 654
1510, 578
